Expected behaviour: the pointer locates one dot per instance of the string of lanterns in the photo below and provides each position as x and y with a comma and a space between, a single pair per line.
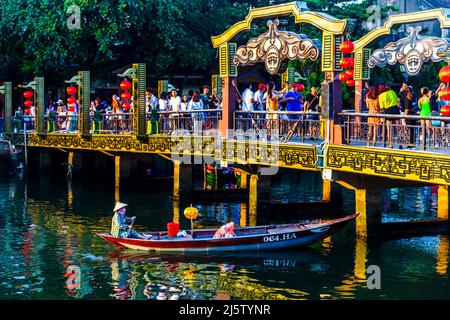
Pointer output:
444, 94
348, 63
125, 85
28, 102
71, 100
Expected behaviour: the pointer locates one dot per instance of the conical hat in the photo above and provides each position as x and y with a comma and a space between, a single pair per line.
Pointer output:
119, 205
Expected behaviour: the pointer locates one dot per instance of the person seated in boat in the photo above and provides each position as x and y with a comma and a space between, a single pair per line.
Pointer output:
119, 226
225, 231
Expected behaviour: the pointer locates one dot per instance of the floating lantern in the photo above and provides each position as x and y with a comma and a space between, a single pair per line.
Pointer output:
71, 90
191, 213
347, 46
125, 96
444, 74
28, 94
445, 111
28, 103
350, 83
71, 100
346, 63
125, 85
300, 87
126, 106
444, 94
343, 76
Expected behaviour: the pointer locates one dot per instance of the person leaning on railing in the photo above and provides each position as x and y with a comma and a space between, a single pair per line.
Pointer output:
373, 107
388, 101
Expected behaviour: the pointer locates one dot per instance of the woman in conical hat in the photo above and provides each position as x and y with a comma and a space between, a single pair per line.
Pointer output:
119, 226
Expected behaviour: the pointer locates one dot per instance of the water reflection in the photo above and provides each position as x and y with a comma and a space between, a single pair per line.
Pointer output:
47, 226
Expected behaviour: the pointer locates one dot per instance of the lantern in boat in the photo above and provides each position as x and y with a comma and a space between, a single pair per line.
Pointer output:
125, 85
445, 111
71, 90
346, 63
28, 94
343, 76
126, 106
191, 213
71, 100
444, 94
350, 83
300, 87
444, 74
125, 96
350, 73
173, 228
347, 46
28, 103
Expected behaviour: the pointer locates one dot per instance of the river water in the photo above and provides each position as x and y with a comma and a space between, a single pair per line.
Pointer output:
47, 225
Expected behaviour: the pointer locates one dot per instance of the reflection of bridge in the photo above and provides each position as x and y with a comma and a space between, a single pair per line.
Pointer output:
334, 145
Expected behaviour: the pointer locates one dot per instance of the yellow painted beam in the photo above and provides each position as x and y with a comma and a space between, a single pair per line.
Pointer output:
253, 196
443, 203
434, 14
320, 20
326, 190
117, 178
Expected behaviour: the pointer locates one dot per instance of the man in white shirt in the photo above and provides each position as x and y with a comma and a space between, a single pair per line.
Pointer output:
175, 106
248, 98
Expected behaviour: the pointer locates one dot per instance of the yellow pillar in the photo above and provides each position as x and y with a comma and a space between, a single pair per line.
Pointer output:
243, 215
176, 180
326, 190
117, 178
70, 158
244, 180
443, 205
368, 205
253, 196
176, 211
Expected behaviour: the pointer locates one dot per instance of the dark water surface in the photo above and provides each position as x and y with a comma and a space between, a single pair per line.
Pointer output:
47, 225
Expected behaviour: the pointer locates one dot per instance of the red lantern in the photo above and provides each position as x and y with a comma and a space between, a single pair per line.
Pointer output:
444, 74
347, 46
172, 229
125, 85
350, 83
300, 87
444, 94
126, 106
28, 94
343, 76
27, 111
71, 100
346, 63
71, 108
28, 103
350, 73
445, 111
125, 96
71, 90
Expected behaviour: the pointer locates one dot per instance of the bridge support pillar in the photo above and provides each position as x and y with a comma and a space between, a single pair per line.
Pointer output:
76, 161
259, 187
326, 190
368, 205
117, 178
443, 203
45, 161
182, 179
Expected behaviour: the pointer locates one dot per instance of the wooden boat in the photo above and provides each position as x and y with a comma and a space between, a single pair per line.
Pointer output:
247, 238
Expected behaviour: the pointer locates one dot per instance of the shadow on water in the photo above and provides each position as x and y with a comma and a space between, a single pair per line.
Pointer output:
47, 225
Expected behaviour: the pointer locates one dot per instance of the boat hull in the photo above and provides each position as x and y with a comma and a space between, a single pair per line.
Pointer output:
267, 241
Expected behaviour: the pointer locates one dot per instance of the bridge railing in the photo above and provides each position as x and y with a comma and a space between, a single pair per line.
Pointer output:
303, 125
24, 122
396, 131
193, 121
111, 122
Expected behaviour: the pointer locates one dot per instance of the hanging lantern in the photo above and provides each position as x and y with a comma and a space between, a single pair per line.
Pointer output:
444, 94
28, 94
71, 90
28, 103
347, 46
71, 108
444, 74
191, 213
350, 83
125, 96
125, 85
346, 63
445, 111
300, 87
71, 100
343, 77
126, 106
350, 73
27, 111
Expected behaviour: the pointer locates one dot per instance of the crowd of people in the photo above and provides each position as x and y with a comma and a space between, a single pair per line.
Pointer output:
382, 99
